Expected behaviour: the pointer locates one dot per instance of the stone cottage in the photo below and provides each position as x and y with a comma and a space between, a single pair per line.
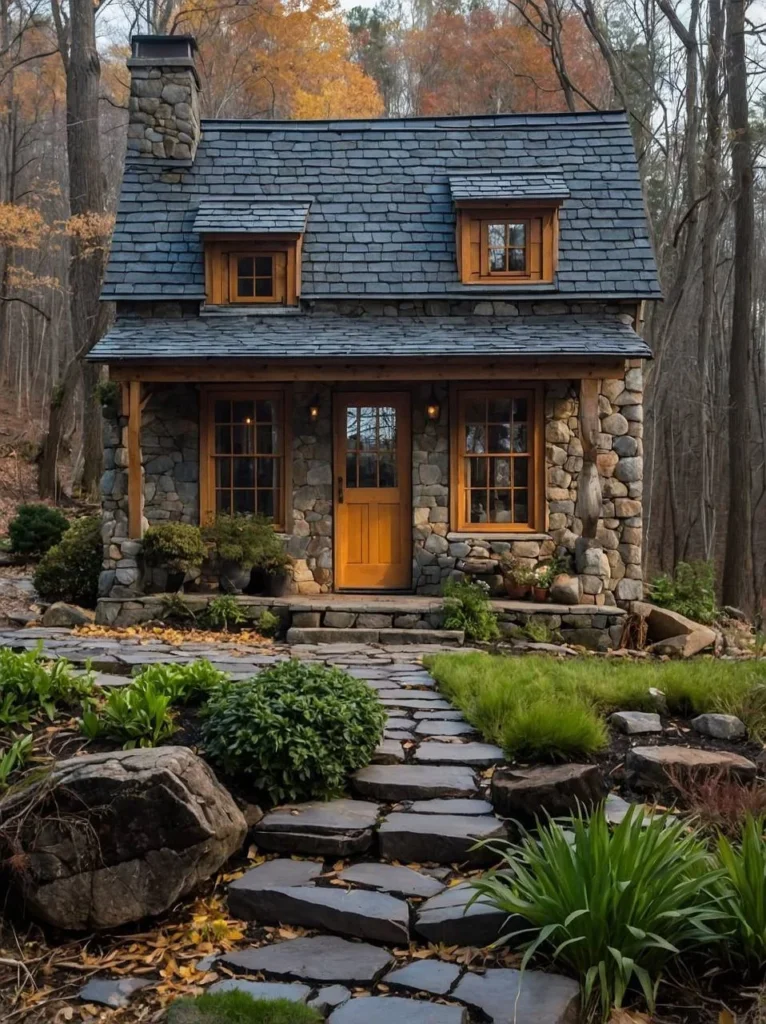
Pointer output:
414, 344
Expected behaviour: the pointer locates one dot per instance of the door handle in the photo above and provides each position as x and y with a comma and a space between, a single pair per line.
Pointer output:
340, 490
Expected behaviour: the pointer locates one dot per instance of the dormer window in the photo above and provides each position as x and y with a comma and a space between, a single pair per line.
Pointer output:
507, 227
252, 250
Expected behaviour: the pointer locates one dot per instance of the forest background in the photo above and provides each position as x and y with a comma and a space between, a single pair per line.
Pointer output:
690, 74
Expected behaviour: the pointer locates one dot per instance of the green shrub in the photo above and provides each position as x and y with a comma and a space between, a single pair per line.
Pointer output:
223, 612
690, 591
613, 907
741, 891
268, 623
31, 685
184, 684
239, 1008
36, 528
296, 730
176, 547
137, 715
69, 571
14, 757
248, 540
175, 609
467, 607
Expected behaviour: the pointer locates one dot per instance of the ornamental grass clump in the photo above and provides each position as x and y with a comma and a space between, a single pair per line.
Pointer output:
295, 731
741, 891
613, 907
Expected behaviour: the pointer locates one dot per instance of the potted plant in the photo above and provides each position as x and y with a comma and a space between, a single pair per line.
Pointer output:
544, 575
175, 547
517, 577
247, 551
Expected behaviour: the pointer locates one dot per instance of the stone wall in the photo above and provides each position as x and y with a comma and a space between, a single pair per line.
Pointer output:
164, 118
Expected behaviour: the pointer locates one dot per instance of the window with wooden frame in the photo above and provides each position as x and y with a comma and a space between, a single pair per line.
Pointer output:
497, 455
507, 244
243, 453
243, 271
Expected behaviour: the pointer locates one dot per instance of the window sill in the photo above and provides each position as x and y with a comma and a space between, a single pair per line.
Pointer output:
509, 535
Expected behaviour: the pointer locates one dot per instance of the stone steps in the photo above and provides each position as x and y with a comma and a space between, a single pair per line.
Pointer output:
440, 838
362, 635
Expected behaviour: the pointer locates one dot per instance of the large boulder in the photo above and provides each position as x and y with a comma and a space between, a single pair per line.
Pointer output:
556, 790
655, 767
673, 634
67, 615
110, 838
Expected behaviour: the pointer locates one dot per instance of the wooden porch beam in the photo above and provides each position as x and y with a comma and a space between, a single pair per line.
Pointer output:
240, 372
135, 484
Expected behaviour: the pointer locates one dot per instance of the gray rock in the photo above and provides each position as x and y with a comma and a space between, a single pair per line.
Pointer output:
471, 807
328, 999
356, 912
263, 989
634, 722
615, 809
448, 919
721, 727
382, 1010
127, 834
323, 959
648, 767
510, 997
413, 782
67, 615
479, 755
443, 727
244, 895
388, 878
566, 589
333, 829
528, 793
432, 976
112, 992
439, 838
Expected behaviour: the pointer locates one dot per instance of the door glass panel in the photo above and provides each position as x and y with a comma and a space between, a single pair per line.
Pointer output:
371, 446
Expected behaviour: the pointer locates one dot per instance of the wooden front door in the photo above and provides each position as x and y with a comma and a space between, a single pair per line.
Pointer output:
373, 511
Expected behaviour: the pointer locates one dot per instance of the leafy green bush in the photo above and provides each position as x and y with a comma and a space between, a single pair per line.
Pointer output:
239, 1008
467, 607
176, 547
184, 684
223, 612
36, 528
296, 730
614, 907
138, 715
31, 685
69, 571
248, 540
268, 623
690, 591
741, 891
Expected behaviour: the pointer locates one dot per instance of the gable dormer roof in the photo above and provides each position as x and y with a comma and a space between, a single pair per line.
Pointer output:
261, 216
528, 184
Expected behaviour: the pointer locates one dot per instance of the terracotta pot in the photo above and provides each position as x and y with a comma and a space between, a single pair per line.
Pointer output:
516, 591
540, 594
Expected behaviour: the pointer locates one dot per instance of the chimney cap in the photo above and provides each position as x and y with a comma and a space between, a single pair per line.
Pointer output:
152, 47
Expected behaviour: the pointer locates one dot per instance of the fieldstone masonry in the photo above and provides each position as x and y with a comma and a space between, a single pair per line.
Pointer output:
309, 543
164, 109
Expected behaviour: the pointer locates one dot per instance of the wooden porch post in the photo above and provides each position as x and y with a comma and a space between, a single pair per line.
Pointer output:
135, 483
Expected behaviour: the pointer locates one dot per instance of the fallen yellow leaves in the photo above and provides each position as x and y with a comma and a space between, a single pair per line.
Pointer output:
172, 637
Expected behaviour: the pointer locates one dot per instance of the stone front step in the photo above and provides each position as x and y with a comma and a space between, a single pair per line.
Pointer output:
333, 829
363, 635
392, 783
324, 959
447, 918
439, 838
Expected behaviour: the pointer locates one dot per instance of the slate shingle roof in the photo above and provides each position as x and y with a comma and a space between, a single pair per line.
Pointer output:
511, 185
382, 216
265, 216
334, 337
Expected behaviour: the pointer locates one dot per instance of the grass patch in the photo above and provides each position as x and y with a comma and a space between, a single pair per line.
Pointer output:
239, 1008
537, 707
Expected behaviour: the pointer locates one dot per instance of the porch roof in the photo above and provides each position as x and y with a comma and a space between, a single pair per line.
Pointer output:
296, 336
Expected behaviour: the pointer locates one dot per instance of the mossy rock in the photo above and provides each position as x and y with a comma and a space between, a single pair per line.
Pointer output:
240, 1008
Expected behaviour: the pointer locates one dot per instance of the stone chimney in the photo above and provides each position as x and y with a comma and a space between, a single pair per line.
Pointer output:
164, 99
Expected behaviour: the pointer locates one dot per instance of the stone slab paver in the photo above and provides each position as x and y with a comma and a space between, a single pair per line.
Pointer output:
412, 700
510, 997
456, 806
245, 893
445, 715
448, 919
432, 976
336, 828
380, 1010
388, 752
328, 999
321, 959
392, 879
413, 782
295, 992
439, 838
443, 727
113, 992
478, 755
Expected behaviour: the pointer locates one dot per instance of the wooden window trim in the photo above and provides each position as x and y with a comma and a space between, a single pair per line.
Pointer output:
473, 219
285, 249
537, 520
208, 395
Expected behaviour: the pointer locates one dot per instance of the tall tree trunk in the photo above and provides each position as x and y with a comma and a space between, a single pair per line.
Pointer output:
86, 206
738, 561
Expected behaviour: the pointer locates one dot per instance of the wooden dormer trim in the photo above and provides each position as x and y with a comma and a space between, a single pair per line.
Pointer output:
541, 240
221, 249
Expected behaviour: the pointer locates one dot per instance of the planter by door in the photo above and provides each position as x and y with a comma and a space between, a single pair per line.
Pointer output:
540, 594
373, 508
233, 578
